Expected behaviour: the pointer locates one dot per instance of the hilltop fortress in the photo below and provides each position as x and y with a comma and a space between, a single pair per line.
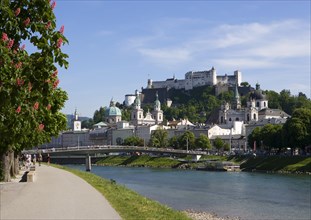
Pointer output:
192, 80
196, 79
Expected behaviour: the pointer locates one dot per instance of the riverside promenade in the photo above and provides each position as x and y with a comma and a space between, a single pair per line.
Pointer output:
55, 194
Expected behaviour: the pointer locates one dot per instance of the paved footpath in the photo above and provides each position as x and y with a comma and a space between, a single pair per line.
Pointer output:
56, 194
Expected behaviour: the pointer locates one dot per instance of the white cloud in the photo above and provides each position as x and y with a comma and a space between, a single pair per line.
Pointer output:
249, 45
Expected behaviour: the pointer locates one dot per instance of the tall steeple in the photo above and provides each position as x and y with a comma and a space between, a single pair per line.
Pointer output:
157, 112
137, 102
76, 123
237, 99
157, 103
137, 114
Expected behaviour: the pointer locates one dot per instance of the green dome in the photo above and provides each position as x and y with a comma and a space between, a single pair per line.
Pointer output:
113, 110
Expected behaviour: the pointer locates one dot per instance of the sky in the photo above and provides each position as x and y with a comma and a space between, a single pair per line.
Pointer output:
116, 46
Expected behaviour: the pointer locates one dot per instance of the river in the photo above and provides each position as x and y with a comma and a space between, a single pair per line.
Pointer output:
249, 196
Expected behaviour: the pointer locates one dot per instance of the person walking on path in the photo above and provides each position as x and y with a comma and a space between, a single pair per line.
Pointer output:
56, 194
48, 159
40, 159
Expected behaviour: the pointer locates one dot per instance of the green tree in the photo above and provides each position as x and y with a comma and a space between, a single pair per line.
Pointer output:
218, 143
173, 142
226, 147
99, 115
187, 139
159, 138
29, 95
203, 142
297, 129
87, 123
245, 84
133, 141
255, 138
271, 136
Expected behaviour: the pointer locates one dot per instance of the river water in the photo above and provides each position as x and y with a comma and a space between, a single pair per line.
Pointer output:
249, 196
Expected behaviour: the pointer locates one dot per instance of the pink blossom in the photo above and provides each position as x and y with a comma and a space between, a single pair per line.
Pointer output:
48, 25
18, 110
18, 65
55, 73
23, 47
55, 84
10, 44
59, 42
5, 37
48, 107
61, 30
36, 106
41, 127
19, 82
27, 21
17, 11
53, 5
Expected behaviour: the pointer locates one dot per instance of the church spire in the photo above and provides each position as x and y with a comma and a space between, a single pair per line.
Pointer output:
157, 103
237, 99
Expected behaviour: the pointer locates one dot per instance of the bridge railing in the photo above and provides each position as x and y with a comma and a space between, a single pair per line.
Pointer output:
113, 148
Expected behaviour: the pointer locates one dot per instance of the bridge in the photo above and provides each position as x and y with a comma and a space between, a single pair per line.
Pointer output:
93, 151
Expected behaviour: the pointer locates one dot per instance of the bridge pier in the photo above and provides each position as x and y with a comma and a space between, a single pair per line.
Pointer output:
88, 163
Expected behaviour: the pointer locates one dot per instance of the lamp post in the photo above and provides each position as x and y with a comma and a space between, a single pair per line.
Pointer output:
187, 144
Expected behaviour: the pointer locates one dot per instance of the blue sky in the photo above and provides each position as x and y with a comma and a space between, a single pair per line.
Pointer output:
115, 46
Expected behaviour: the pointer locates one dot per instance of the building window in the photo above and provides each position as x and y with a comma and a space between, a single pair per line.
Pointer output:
247, 117
237, 119
222, 119
254, 116
229, 119
257, 104
264, 104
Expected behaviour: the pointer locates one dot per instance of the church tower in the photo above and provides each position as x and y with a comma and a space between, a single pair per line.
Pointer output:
76, 123
137, 115
157, 112
237, 100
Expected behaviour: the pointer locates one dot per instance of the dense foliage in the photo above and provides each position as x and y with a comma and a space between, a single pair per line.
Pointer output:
30, 99
295, 133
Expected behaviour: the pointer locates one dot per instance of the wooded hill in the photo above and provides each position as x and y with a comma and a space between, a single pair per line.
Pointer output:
198, 104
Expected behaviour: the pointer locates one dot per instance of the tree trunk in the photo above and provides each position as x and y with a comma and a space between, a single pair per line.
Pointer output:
16, 163
7, 162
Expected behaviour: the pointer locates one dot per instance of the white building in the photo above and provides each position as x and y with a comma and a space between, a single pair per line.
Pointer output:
137, 114
236, 128
197, 78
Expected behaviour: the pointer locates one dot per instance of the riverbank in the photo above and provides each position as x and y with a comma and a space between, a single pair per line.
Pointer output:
271, 164
277, 164
128, 203
131, 205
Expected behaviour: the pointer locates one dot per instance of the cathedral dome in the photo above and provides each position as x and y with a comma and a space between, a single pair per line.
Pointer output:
258, 93
113, 110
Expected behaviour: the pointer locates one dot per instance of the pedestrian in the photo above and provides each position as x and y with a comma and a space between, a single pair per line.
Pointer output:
40, 159
34, 160
48, 159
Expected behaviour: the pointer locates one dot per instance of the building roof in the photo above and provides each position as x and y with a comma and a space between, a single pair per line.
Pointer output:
113, 110
273, 112
100, 124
